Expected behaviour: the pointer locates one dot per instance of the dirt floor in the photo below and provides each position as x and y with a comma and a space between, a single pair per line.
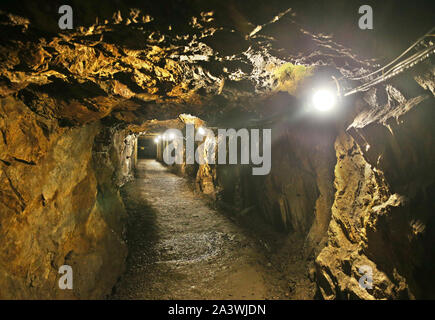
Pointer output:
181, 248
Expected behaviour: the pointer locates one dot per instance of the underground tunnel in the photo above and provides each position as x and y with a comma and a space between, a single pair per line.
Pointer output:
261, 150
147, 147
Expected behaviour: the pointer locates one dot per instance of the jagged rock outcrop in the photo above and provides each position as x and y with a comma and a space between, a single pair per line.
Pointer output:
130, 69
54, 209
382, 216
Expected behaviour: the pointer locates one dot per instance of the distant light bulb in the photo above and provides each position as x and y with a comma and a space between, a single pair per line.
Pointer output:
157, 139
324, 100
201, 131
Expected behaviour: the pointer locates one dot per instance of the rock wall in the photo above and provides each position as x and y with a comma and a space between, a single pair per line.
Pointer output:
297, 194
58, 206
382, 216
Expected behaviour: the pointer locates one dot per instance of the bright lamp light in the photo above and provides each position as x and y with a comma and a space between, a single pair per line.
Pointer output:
157, 139
324, 100
201, 130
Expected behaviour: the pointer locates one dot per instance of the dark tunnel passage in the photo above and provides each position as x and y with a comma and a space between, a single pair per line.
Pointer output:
146, 147
202, 150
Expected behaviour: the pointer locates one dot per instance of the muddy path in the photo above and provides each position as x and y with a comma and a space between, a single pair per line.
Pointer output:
181, 248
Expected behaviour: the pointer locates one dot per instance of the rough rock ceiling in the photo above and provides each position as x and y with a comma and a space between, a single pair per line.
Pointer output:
128, 69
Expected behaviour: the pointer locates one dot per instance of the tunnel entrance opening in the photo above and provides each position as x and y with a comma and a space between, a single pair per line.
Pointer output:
146, 148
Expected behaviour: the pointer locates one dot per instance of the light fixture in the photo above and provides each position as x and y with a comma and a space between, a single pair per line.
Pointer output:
157, 139
324, 100
201, 131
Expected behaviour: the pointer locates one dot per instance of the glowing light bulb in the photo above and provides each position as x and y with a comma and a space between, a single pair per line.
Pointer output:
201, 130
157, 139
324, 100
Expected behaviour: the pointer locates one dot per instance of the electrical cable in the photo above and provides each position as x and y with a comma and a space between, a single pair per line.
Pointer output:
407, 63
427, 34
